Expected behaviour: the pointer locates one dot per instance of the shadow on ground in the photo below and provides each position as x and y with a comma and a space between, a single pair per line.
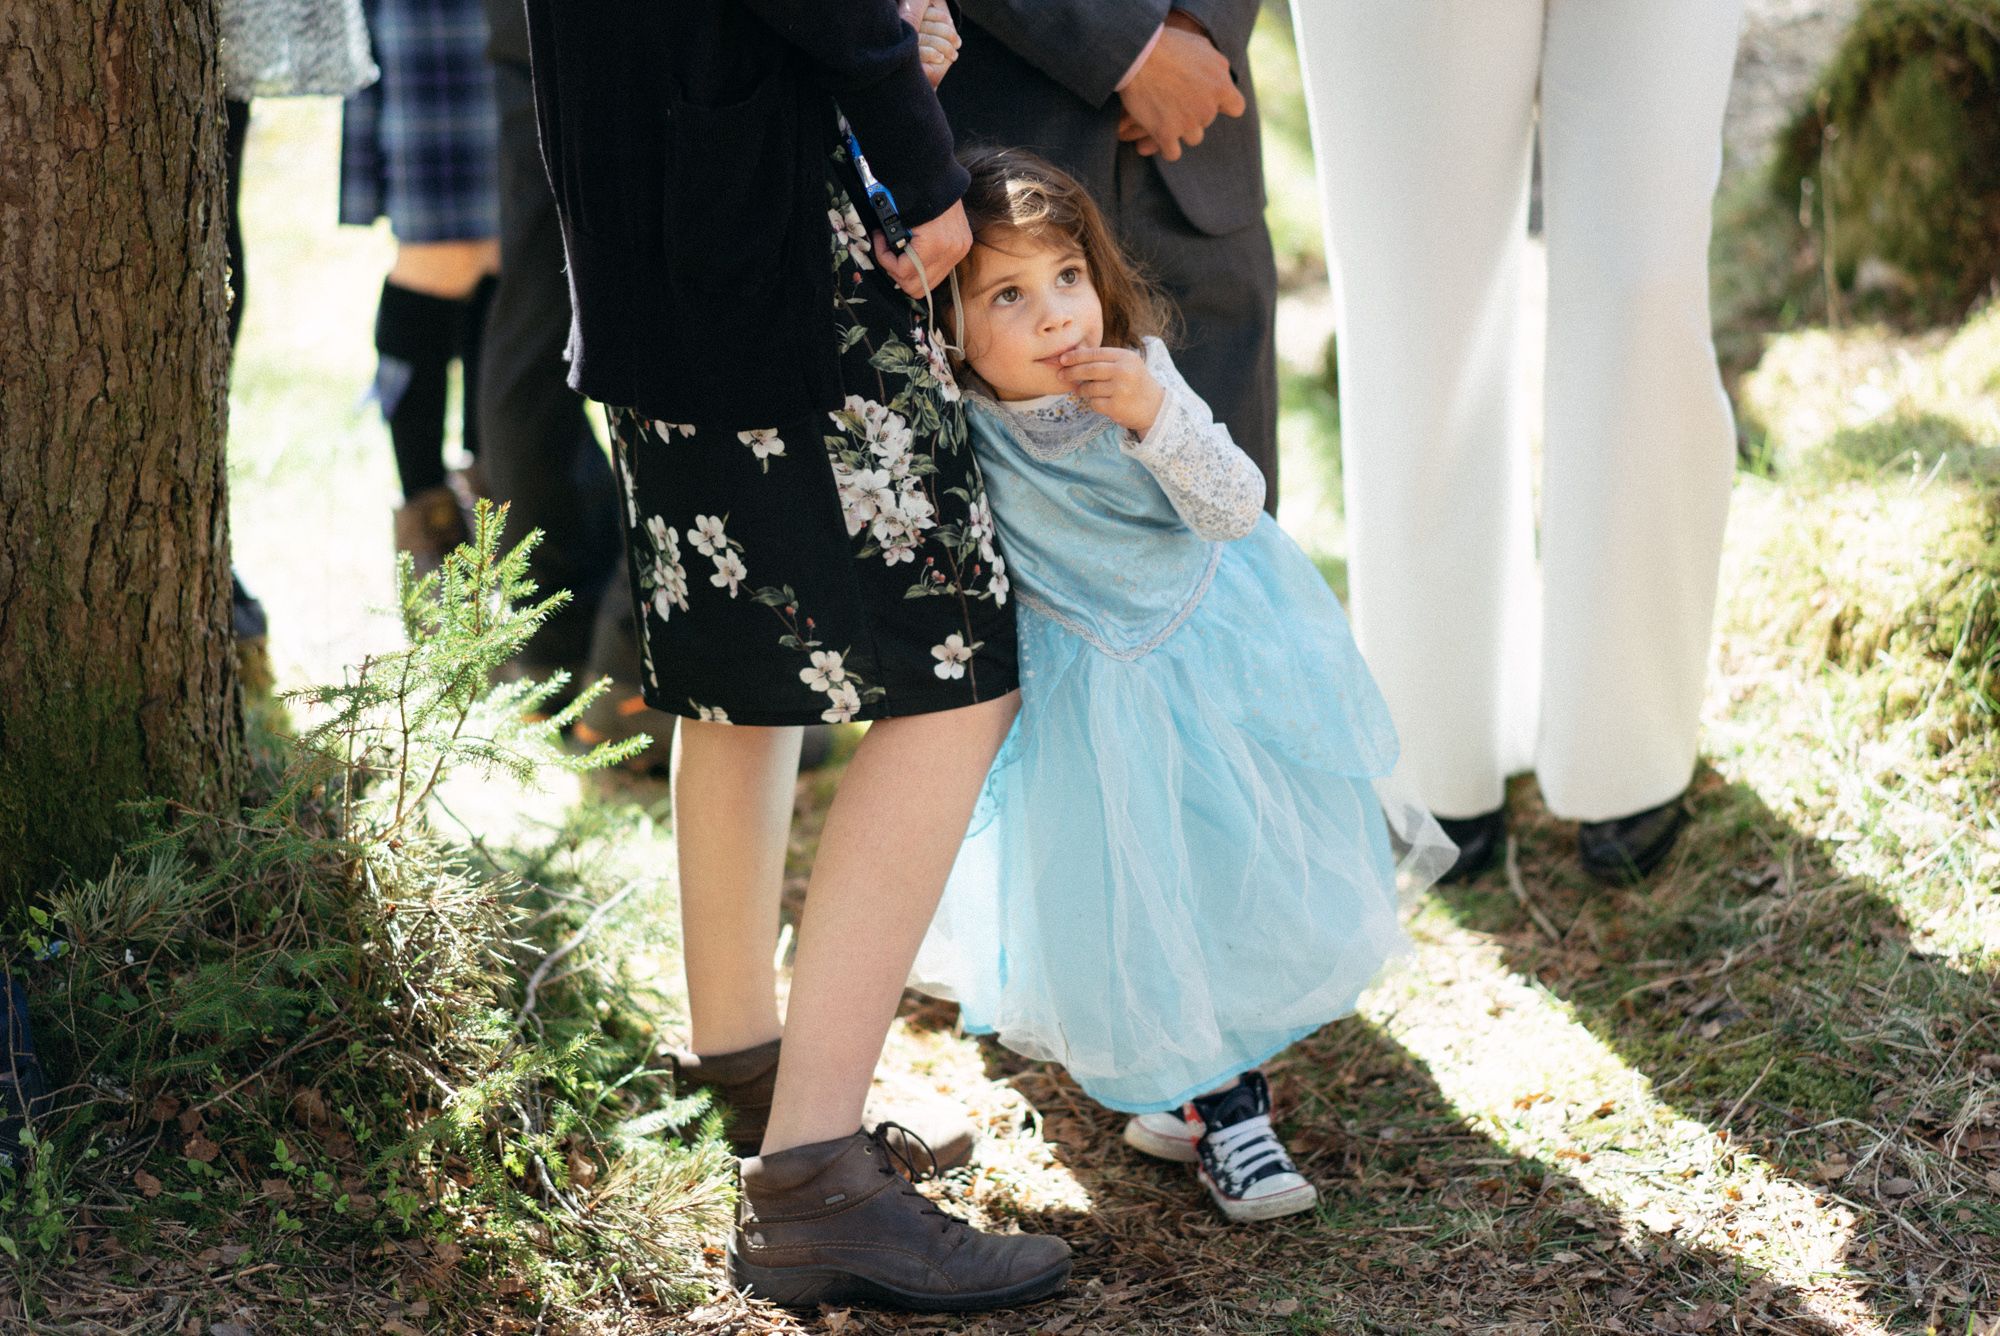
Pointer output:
1424, 1225
1783, 1003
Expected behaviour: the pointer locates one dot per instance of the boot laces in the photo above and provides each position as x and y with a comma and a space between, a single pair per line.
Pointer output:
1242, 1149
898, 1152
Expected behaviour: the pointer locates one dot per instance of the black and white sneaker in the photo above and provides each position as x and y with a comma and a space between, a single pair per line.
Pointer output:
1229, 1136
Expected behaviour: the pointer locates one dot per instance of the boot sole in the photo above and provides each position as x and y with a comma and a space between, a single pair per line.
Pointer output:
805, 1287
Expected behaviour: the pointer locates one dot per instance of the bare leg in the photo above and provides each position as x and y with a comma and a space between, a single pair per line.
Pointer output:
445, 268
732, 813
888, 845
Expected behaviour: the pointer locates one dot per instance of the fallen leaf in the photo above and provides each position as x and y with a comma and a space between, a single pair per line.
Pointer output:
201, 1148
1069, 1133
278, 1190
395, 1326
163, 1108
1704, 1317
1899, 1187
229, 1329
311, 1109
148, 1186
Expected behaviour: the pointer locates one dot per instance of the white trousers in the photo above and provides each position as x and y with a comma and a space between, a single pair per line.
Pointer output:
1587, 664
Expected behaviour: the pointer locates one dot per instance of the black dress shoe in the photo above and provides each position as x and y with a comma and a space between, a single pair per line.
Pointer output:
1626, 849
1478, 838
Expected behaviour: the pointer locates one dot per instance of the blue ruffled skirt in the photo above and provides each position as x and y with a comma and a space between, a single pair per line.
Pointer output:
1181, 863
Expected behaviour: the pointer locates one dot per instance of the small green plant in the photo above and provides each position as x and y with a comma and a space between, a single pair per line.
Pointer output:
301, 1030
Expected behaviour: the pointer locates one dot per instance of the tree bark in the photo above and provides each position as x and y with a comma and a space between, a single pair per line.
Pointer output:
117, 668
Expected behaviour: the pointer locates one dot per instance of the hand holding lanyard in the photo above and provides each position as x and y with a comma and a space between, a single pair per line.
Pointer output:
897, 236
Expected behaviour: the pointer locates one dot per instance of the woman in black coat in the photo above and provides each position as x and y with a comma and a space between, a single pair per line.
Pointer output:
809, 541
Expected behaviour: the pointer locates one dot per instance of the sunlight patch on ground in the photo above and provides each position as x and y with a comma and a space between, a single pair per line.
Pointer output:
1520, 1070
311, 478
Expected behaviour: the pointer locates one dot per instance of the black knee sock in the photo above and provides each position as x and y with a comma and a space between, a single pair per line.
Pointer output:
476, 307
416, 336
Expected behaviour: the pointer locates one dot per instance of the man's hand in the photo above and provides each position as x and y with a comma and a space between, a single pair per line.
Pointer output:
1183, 86
1117, 383
937, 35
942, 242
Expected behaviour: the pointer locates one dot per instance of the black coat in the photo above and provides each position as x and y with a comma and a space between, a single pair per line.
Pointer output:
688, 144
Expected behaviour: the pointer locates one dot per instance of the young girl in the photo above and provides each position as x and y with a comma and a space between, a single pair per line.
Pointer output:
1181, 863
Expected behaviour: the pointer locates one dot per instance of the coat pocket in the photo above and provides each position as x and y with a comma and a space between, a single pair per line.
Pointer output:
732, 188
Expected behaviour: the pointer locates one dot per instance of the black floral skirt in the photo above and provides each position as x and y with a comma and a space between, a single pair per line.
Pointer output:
823, 570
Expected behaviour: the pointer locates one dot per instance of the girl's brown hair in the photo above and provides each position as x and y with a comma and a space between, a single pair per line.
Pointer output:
1015, 190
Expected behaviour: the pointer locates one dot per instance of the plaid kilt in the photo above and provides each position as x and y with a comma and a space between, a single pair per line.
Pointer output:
422, 144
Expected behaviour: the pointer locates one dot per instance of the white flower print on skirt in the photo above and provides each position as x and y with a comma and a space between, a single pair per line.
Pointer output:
828, 570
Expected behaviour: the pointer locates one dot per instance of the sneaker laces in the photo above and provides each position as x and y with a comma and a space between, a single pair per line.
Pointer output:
1243, 1149
899, 1159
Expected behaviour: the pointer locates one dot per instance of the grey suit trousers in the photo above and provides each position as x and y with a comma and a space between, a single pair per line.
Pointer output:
1226, 291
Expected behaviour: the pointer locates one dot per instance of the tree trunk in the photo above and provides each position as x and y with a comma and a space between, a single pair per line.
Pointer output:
117, 670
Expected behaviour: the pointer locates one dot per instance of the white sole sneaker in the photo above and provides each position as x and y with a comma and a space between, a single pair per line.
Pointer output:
1289, 1199
1163, 1136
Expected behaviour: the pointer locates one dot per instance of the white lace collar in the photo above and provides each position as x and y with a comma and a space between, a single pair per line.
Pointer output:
1049, 427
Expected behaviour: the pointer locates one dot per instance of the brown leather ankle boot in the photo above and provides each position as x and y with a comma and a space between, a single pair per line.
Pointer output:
836, 1223
743, 1082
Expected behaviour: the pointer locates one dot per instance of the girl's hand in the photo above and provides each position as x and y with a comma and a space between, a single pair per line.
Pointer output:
1116, 383
937, 35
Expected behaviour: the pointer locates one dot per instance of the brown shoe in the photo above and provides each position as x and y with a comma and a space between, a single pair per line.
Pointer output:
742, 1081
835, 1223
930, 1136
428, 525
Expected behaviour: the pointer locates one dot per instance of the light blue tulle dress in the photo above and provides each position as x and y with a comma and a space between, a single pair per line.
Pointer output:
1182, 861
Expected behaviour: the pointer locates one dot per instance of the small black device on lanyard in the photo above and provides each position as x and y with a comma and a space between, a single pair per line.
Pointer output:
879, 199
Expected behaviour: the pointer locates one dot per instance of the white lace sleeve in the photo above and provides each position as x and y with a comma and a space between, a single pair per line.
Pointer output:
1213, 485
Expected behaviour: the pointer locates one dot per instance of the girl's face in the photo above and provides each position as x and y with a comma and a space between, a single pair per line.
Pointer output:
1026, 301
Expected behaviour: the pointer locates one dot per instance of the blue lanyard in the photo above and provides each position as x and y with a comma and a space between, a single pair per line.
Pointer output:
879, 198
